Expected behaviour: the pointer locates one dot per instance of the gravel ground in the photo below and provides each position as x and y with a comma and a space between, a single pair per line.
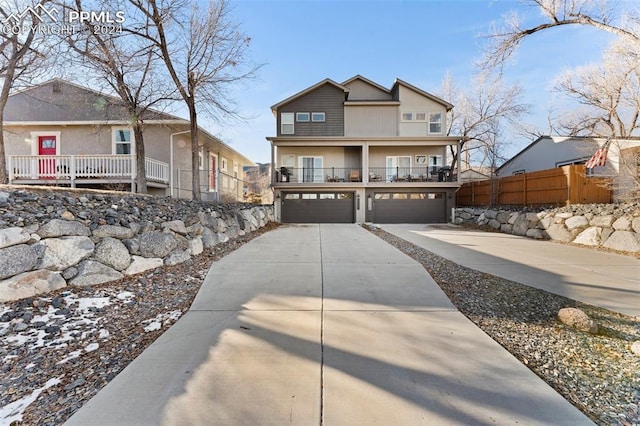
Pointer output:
597, 373
57, 351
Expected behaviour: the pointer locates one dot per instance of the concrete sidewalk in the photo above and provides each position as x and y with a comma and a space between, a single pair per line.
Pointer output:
324, 325
598, 278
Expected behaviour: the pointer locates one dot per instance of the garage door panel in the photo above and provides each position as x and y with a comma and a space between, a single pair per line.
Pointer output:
318, 209
422, 208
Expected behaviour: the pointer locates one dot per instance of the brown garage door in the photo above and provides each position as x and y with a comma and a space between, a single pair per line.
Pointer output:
409, 207
317, 207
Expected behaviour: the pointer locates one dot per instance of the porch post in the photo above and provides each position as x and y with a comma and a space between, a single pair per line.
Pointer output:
10, 169
72, 169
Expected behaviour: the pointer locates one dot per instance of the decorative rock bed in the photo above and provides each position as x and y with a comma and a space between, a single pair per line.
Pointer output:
612, 226
52, 239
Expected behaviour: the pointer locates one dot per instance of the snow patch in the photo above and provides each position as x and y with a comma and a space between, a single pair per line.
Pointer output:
13, 412
91, 347
161, 320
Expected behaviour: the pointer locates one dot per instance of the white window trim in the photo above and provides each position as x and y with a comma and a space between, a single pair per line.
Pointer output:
214, 172
414, 117
300, 120
417, 120
406, 120
318, 176
201, 158
114, 143
287, 123
324, 117
34, 141
441, 122
224, 164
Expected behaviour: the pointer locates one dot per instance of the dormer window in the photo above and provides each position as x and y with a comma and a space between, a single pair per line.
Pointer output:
286, 123
435, 123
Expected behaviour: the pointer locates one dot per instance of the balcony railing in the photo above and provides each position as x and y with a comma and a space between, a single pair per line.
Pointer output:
376, 174
83, 167
318, 175
411, 174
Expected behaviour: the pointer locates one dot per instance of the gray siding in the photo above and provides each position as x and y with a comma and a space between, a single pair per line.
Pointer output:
328, 99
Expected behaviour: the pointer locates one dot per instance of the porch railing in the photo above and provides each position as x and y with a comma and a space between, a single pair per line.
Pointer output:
410, 174
316, 175
72, 167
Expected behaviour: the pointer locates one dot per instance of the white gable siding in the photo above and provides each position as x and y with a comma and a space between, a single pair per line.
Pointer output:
373, 120
414, 102
362, 91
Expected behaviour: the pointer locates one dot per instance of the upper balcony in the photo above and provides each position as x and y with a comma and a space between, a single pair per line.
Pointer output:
375, 175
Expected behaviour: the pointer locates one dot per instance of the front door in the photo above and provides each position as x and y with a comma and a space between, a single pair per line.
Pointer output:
47, 166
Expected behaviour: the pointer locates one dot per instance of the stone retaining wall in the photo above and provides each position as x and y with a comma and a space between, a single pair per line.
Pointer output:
613, 226
51, 239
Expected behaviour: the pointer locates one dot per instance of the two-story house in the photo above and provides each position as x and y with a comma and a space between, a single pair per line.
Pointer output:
359, 152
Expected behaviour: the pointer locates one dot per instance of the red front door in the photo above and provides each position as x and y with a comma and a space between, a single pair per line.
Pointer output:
47, 166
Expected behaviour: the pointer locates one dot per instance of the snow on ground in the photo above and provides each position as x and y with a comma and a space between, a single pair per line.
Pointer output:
161, 320
13, 412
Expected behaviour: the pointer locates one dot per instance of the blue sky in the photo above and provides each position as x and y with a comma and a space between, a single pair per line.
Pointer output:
303, 42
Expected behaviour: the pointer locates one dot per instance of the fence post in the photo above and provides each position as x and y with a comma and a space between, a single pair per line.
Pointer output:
524, 184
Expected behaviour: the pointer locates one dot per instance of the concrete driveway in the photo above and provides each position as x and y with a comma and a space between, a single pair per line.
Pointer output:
324, 325
598, 278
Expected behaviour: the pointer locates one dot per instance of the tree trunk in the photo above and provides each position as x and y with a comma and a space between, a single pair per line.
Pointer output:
141, 171
195, 158
4, 175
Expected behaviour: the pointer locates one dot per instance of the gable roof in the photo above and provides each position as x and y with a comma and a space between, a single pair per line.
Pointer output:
434, 98
308, 90
587, 139
366, 80
58, 100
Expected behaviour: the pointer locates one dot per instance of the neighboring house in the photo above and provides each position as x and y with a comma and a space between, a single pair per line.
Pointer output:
474, 174
60, 133
359, 152
548, 152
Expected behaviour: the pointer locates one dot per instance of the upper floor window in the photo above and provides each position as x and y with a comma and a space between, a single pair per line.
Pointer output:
435, 122
414, 116
286, 123
407, 116
421, 116
122, 141
302, 116
317, 116
224, 164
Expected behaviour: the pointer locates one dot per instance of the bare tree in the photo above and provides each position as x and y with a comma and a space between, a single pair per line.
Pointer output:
20, 53
504, 41
128, 65
480, 109
205, 53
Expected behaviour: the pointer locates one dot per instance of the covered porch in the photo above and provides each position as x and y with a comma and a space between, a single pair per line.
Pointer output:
73, 170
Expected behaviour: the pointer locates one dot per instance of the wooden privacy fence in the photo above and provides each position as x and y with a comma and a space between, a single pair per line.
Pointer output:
560, 186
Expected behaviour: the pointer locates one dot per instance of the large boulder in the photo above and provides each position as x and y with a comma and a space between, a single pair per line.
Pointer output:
558, 232
209, 238
112, 252
576, 318
602, 221
13, 236
17, 259
141, 264
59, 228
113, 231
61, 253
176, 226
623, 223
635, 225
30, 284
91, 272
156, 244
624, 241
195, 246
590, 236
576, 222
177, 256
520, 225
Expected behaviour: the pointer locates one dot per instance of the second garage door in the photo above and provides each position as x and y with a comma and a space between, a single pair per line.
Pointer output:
409, 207
317, 207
